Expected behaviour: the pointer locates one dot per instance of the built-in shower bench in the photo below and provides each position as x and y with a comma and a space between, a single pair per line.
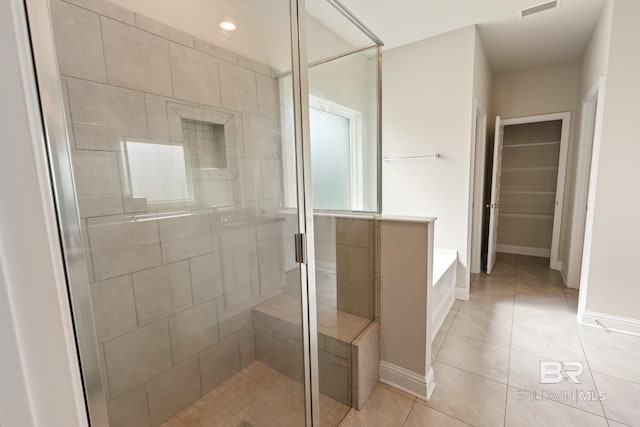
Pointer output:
348, 347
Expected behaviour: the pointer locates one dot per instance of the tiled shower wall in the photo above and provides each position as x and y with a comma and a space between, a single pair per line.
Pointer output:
172, 293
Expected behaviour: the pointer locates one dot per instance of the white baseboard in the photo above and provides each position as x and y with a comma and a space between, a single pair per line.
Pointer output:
563, 273
462, 294
610, 322
524, 250
406, 380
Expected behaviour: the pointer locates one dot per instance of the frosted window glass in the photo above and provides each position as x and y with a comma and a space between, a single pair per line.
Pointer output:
330, 160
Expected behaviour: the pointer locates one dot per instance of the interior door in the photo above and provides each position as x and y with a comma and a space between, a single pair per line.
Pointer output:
495, 195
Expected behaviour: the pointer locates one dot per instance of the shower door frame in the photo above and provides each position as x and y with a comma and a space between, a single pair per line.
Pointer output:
43, 51
49, 88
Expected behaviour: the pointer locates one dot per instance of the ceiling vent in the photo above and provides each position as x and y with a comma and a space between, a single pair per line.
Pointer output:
539, 8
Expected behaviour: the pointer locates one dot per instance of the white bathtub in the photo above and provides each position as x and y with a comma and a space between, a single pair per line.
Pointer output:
444, 286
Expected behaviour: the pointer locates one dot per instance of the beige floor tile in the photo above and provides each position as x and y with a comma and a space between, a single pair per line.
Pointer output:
612, 353
471, 398
616, 424
523, 409
483, 327
384, 408
436, 345
622, 401
260, 396
554, 344
479, 357
497, 309
545, 320
524, 373
421, 415
448, 320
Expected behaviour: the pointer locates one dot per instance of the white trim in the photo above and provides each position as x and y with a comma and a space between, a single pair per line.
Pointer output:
408, 381
496, 173
524, 250
591, 194
476, 202
355, 142
563, 272
609, 322
562, 174
581, 187
462, 294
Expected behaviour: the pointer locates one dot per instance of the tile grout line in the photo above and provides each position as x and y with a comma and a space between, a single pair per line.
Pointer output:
513, 314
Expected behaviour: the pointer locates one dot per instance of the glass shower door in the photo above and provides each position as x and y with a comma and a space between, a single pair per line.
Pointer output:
176, 119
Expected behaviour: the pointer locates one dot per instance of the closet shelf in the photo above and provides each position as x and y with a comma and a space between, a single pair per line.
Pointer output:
532, 193
526, 215
533, 144
550, 168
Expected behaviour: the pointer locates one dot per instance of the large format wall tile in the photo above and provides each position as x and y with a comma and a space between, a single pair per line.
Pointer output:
174, 390
239, 91
136, 59
123, 247
250, 179
194, 329
219, 361
195, 75
163, 30
157, 120
259, 137
98, 187
216, 51
113, 307
185, 236
137, 356
162, 291
103, 115
130, 409
78, 42
106, 8
268, 97
206, 277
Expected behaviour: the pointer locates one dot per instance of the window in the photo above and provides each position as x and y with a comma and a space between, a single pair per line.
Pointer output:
336, 157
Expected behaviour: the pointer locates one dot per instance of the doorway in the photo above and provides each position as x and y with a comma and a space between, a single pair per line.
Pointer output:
527, 192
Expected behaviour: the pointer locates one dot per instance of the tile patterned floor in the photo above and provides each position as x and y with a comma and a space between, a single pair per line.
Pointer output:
257, 396
488, 352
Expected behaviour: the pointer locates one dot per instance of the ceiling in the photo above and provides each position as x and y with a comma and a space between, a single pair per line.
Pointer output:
511, 43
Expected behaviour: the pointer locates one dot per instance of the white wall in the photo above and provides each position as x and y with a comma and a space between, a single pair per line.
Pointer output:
594, 65
482, 75
39, 377
427, 108
612, 267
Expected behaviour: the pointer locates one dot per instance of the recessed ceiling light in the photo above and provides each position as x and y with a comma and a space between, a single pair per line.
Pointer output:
228, 26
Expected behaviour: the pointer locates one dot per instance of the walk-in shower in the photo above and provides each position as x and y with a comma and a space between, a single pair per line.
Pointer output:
192, 165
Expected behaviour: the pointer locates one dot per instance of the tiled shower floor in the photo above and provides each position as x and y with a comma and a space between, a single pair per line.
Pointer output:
257, 396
